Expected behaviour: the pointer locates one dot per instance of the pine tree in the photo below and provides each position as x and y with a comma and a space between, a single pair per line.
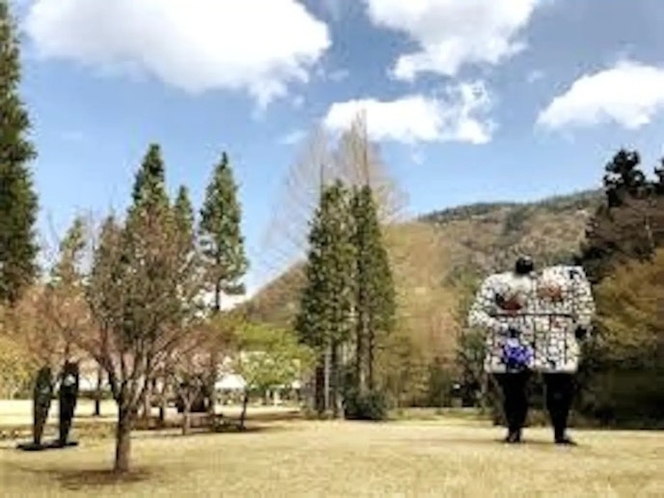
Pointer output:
18, 200
375, 294
222, 247
630, 225
221, 238
149, 191
324, 319
185, 238
184, 213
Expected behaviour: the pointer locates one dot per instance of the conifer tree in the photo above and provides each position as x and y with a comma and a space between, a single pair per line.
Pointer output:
375, 302
185, 238
149, 191
184, 213
18, 200
222, 247
324, 319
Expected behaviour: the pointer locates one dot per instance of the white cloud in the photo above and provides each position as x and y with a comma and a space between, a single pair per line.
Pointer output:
292, 138
458, 114
196, 46
453, 33
629, 94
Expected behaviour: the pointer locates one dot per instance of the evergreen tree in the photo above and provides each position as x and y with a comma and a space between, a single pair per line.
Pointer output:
222, 247
149, 194
220, 235
375, 294
185, 237
18, 200
67, 270
324, 321
184, 213
630, 225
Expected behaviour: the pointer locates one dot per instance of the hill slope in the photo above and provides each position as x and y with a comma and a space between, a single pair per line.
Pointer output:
429, 253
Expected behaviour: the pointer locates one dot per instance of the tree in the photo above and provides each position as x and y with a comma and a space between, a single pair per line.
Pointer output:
322, 159
138, 292
16, 369
625, 381
18, 200
630, 314
186, 369
64, 293
268, 358
630, 225
375, 302
324, 320
222, 248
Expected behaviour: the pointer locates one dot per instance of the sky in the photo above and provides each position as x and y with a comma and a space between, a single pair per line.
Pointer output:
469, 100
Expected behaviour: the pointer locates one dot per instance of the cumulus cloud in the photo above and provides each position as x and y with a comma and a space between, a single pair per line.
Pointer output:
453, 33
457, 114
629, 94
198, 45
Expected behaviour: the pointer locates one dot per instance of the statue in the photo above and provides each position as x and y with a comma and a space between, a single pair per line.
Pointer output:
68, 397
534, 322
42, 397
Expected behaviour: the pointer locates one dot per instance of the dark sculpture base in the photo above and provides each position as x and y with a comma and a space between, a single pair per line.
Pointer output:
32, 447
53, 445
58, 445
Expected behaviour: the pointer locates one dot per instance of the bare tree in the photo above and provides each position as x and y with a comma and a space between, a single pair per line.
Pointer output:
187, 368
323, 158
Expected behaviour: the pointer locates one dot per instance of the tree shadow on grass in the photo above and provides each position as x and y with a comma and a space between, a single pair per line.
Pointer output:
231, 430
80, 479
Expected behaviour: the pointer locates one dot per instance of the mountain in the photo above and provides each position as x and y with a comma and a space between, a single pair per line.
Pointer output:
432, 252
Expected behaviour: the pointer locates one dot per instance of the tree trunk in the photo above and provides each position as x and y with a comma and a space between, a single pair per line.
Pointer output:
214, 358
360, 352
147, 403
186, 416
371, 347
212, 381
123, 440
100, 379
243, 414
163, 393
327, 379
319, 386
334, 376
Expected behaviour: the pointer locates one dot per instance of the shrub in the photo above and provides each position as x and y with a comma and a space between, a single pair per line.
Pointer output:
371, 405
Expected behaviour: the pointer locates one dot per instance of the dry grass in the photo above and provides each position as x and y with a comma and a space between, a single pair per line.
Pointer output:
424, 459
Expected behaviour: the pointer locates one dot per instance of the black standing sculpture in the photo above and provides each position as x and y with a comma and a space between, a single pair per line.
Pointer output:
68, 397
42, 397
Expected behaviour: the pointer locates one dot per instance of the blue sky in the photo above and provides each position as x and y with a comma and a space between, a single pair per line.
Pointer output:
470, 100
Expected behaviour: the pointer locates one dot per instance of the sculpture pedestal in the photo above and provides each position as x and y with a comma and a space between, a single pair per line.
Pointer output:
58, 445
32, 446
53, 445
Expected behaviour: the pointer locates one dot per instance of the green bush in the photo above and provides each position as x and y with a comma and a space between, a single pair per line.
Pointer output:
371, 405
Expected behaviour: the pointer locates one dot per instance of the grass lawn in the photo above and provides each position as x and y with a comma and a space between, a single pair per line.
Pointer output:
293, 459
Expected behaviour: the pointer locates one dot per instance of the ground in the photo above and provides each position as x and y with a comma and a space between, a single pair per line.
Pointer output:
446, 457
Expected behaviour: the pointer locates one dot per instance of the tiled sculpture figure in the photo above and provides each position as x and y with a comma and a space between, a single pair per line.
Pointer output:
534, 321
